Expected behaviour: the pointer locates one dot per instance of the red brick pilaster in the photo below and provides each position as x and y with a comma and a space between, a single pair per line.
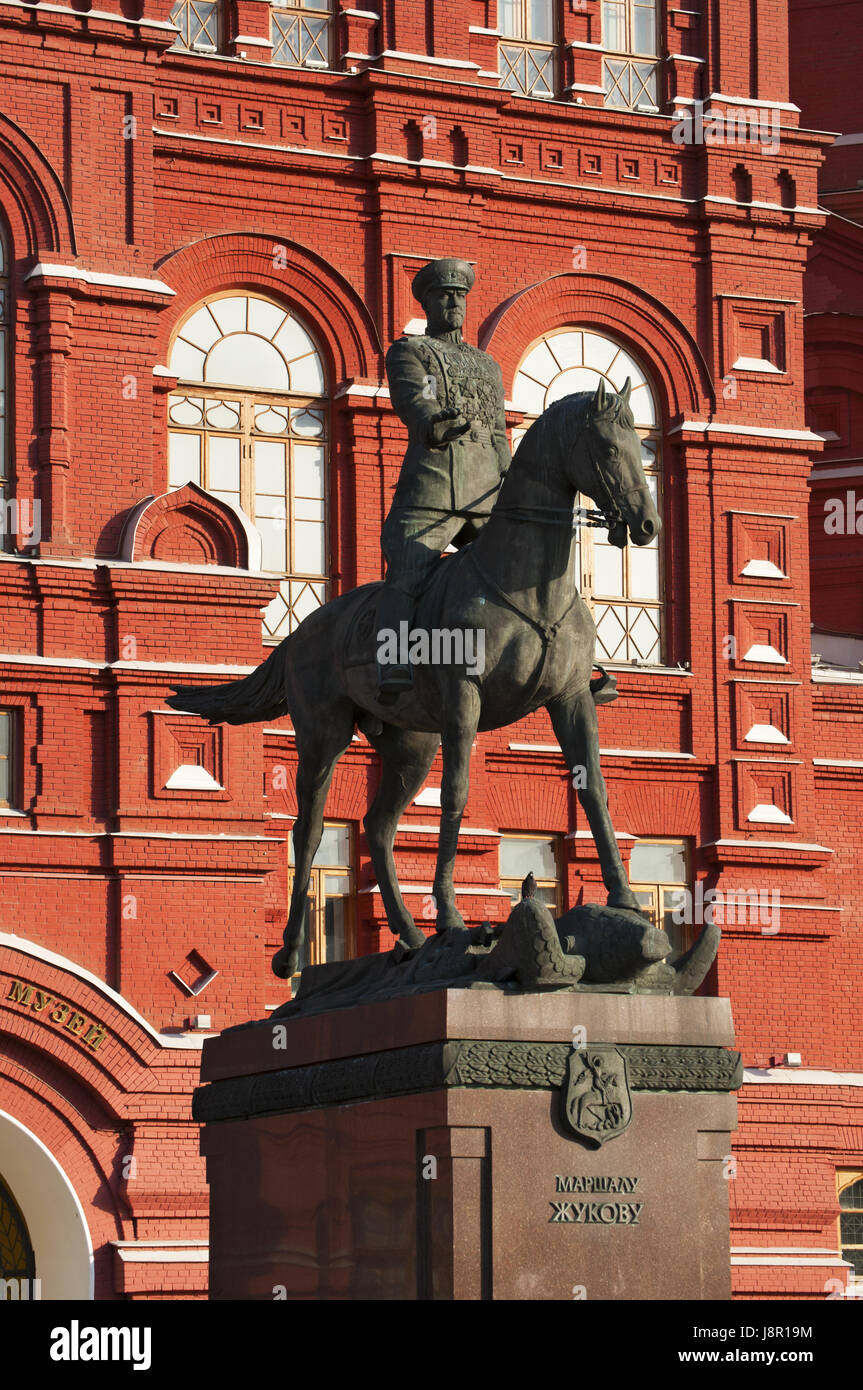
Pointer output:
53, 318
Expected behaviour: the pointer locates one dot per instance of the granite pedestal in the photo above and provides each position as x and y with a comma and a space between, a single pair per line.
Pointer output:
420, 1148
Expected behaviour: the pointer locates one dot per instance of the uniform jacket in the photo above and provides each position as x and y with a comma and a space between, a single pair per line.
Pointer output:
427, 375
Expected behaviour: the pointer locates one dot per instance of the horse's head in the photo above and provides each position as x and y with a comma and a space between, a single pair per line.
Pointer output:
606, 464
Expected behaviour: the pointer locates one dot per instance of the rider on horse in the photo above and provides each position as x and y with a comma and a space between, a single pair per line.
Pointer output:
450, 396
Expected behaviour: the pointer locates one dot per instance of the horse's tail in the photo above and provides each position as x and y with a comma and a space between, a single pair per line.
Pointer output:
603, 688
258, 696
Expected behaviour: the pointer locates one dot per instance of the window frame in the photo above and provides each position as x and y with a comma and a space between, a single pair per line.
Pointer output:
528, 46
204, 50
247, 435
629, 600
629, 7
631, 56
11, 759
301, 11
249, 398
27, 1272
847, 1177
316, 903
512, 886
658, 888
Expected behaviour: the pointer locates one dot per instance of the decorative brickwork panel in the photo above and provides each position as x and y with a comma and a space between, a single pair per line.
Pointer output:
762, 714
760, 550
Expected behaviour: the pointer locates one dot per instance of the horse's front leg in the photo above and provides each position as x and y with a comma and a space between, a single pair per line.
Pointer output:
576, 727
322, 737
458, 730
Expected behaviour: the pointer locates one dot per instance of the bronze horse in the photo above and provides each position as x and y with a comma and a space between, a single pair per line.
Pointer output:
515, 583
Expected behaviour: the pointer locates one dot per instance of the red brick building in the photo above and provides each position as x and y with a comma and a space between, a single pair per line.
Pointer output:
211, 216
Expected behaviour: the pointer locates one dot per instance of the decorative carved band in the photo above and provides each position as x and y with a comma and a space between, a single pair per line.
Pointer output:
438, 1066
654, 1068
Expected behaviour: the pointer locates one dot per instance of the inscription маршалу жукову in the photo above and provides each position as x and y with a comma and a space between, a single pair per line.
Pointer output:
602, 1213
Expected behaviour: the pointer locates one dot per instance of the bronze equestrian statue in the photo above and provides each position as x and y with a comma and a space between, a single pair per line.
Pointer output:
515, 583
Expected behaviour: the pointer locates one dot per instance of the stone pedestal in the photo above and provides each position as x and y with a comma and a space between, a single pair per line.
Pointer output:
424, 1148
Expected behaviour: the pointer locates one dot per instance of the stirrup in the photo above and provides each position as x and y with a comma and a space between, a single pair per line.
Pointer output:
604, 688
393, 682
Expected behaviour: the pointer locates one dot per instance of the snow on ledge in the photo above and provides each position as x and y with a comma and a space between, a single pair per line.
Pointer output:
765, 733
765, 814
762, 569
192, 777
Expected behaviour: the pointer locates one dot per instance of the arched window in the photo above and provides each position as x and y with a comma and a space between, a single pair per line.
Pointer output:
248, 422
850, 1185
622, 587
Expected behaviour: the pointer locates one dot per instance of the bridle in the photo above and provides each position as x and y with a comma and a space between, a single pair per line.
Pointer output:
610, 514
605, 516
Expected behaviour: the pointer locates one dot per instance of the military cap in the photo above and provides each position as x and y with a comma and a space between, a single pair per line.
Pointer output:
449, 273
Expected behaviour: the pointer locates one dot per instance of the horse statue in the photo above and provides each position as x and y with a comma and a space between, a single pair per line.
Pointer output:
515, 584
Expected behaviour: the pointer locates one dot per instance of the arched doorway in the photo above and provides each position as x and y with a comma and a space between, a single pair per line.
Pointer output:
52, 1232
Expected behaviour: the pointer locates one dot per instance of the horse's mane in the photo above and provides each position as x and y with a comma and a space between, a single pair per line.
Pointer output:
560, 423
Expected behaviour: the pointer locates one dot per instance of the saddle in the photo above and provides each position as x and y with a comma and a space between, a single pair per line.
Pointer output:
360, 643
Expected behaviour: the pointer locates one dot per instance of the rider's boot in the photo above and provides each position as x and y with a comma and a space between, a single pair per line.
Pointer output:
394, 608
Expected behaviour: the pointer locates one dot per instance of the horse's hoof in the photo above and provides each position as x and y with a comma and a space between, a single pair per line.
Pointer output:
285, 963
450, 921
412, 937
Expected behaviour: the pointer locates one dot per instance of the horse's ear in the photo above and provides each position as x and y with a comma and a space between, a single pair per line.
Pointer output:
600, 400
624, 395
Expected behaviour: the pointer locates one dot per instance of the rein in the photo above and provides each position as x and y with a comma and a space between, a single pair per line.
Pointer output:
588, 516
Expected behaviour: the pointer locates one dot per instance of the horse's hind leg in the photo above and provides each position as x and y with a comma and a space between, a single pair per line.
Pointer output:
321, 741
407, 757
577, 730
